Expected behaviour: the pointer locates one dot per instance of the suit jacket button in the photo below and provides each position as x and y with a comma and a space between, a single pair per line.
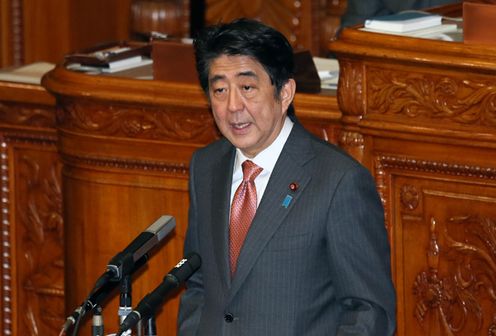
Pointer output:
228, 318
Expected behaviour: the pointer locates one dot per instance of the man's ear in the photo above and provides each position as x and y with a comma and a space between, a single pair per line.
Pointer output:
287, 93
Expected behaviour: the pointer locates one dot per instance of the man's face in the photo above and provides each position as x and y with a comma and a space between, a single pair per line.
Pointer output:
244, 105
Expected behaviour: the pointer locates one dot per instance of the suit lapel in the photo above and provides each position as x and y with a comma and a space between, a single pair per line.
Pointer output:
272, 211
221, 189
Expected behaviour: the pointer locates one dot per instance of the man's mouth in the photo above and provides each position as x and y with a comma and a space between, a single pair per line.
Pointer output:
240, 126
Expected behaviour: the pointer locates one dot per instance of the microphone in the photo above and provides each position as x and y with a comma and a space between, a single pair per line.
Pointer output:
147, 306
96, 298
124, 261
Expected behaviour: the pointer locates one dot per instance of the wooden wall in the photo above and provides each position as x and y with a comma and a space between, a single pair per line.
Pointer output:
46, 30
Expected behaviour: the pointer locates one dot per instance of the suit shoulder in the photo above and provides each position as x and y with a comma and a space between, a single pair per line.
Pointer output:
206, 158
332, 154
216, 148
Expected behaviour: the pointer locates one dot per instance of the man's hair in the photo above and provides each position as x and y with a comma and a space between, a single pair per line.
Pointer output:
245, 37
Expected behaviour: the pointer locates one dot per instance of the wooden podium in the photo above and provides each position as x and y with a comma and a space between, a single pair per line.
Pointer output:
421, 115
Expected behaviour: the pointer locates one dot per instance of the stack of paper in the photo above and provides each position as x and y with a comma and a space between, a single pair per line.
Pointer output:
110, 57
413, 24
111, 67
328, 69
404, 21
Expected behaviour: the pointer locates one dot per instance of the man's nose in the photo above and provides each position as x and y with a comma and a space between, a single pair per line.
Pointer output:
235, 102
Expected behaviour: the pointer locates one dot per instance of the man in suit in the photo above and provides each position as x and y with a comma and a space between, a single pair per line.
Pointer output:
314, 259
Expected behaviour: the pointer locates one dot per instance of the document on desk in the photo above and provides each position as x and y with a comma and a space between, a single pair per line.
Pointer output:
442, 32
112, 67
404, 21
29, 74
328, 70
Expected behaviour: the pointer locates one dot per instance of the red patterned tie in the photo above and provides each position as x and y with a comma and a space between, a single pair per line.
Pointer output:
243, 210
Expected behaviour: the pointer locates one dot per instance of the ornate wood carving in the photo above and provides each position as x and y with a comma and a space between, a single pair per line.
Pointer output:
454, 297
130, 121
408, 163
350, 88
451, 294
352, 142
17, 32
16, 114
38, 236
350, 93
169, 167
351, 139
6, 302
40, 213
414, 94
409, 197
382, 188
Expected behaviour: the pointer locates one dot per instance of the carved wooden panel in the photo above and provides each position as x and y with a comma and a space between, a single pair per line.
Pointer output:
39, 239
139, 122
32, 268
27, 115
443, 231
426, 96
33, 263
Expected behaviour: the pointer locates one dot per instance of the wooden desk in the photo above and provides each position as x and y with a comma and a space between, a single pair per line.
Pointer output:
116, 152
421, 115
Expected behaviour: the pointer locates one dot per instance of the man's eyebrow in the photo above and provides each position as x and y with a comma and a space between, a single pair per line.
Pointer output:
216, 78
247, 73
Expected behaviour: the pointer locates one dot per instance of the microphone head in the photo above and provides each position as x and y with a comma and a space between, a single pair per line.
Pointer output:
154, 234
186, 267
162, 226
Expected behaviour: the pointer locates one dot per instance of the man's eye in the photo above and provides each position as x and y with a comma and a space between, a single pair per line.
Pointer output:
219, 90
247, 87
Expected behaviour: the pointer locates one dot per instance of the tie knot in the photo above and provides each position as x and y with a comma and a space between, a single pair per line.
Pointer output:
250, 170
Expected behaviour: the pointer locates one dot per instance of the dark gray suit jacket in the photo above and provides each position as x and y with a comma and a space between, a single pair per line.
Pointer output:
318, 266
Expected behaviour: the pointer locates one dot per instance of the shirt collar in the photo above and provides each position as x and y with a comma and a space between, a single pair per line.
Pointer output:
268, 157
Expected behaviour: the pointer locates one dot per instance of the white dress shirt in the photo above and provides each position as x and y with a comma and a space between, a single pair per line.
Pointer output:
266, 159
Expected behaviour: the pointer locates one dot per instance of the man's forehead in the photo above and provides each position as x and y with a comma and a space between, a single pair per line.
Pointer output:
235, 66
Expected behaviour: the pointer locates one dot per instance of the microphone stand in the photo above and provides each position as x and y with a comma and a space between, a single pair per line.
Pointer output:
125, 298
150, 327
97, 322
